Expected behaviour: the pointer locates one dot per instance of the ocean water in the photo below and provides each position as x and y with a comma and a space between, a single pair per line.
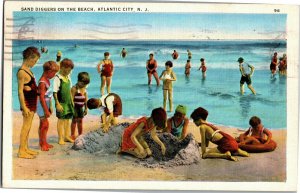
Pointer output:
218, 93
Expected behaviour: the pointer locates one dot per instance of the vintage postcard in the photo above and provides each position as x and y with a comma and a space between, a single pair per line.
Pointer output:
158, 96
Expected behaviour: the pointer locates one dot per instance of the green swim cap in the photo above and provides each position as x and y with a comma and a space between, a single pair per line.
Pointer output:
181, 109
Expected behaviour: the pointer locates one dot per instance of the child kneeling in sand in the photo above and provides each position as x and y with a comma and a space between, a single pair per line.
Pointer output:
209, 133
112, 104
177, 125
133, 141
255, 134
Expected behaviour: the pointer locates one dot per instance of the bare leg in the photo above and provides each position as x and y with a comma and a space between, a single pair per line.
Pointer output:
156, 78
103, 81
252, 89
170, 95
165, 93
242, 89
242, 153
149, 78
23, 148
108, 84
60, 131
215, 153
146, 146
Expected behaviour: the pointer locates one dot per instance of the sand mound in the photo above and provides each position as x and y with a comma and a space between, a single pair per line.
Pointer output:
184, 152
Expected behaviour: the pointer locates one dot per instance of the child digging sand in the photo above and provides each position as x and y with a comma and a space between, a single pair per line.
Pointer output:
227, 146
79, 96
168, 76
44, 108
27, 92
133, 141
63, 101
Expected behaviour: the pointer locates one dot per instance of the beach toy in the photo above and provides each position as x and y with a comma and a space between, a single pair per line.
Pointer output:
167, 77
259, 148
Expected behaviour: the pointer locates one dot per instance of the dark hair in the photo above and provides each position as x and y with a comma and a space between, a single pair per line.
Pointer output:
188, 60
83, 77
159, 117
254, 121
93, 103
169, 63
199, 113
106, 53
151, 54
50, 65
202, 59
30, 52
67, 63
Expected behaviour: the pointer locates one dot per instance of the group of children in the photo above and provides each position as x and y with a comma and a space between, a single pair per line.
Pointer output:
282, 64
72, 103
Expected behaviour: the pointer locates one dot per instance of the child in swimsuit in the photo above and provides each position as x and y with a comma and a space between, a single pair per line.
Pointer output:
112, 105
63, 101
177, 125
227, 146
123, 53
27, 92
202, 60
44, 107
273, 64
106, 70
58, 56
133, 142
187, 68
79, 96
175, 55
168, 76
255, 134
151, 66
189, 54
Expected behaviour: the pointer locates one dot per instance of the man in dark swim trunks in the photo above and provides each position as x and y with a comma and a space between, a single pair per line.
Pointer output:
247, 71
151, 66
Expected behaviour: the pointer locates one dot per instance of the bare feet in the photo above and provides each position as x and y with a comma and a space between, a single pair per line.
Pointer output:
49, 145
25, 155
29, 151
68, 139
61, 142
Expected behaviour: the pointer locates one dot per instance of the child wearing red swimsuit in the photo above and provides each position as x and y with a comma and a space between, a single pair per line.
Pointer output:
105, 69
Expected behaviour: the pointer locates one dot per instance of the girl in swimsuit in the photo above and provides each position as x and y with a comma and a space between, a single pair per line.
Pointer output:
227, 146
202, 60
27, 92
106, 70
177, 125
151, 66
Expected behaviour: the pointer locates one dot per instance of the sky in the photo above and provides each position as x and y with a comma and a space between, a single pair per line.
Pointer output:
140, 26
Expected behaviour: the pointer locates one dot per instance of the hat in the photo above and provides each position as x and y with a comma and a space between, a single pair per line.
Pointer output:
181, 109
240, 59
159, 117
58, 53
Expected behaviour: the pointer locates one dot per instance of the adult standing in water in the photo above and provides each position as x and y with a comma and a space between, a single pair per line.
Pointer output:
151, 66
247, 71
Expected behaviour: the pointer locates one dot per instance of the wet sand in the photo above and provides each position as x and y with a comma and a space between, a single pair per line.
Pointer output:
64, 163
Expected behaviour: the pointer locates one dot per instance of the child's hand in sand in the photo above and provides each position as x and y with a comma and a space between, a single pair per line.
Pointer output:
149, 152
59, 108
105, 128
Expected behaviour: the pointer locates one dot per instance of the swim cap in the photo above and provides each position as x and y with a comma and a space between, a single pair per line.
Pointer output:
240, 59
159, 117
181, 109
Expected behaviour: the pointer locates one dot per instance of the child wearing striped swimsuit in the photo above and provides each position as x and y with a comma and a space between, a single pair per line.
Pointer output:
79, 96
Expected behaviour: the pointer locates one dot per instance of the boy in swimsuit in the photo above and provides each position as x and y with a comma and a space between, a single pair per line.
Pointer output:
112, 105
168, 76
63, 101
203, 66
177, 125
175, 55
246, 75
255, 134
227, 146
44, 107
106, 70
133, 141
151, 66
79, 96
187, 68
27, 92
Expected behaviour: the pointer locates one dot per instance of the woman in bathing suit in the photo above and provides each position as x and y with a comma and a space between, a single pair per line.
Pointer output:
151, 66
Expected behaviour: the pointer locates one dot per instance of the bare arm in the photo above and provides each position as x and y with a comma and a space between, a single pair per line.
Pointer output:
184, 129
85, 103
58, 106
203, 139
134, 139
169, 125
42, 90
158, 141
243, 136
269, 135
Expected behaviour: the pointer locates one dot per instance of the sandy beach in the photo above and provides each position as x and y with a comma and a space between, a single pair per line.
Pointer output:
64, 163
